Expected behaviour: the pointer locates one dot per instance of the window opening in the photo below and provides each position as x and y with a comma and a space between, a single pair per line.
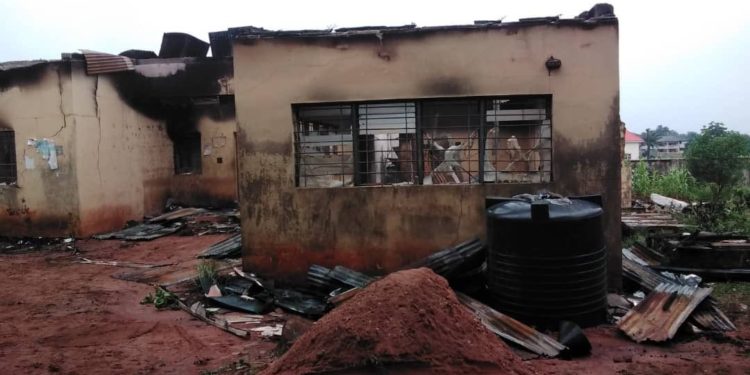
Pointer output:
324, 146
387, 143
430, 141
8, 169
518, 146
187, 153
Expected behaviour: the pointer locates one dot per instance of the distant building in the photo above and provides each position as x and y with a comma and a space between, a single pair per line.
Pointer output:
633, 144
667, 147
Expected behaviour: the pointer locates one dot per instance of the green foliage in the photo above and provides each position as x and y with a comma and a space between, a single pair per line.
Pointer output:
207, 275
161, 299
717, 157
678, 183
732, 292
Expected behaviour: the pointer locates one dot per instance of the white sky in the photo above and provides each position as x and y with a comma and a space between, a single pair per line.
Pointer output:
682, 64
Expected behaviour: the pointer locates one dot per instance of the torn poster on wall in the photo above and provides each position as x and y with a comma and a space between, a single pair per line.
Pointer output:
46, 147
28, 162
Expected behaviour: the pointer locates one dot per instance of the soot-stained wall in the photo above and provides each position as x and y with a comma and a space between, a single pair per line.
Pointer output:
113, 142
378, 229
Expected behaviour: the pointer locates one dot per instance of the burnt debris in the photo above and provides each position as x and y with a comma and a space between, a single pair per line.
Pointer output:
182, 45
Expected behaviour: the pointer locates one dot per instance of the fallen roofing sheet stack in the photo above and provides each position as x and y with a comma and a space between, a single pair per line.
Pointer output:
721, 256
660, 315
706, 316
141, 232
177, 214
229, 248
512, 330
451, 263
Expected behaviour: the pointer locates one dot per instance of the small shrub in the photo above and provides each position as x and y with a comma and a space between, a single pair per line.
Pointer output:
161, 299
207, 275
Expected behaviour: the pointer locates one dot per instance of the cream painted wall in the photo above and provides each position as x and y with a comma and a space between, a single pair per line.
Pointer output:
287, 228
116, 163
217, 183
125, 158
633, 149
45, 200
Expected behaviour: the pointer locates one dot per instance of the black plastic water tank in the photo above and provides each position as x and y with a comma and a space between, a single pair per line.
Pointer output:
547, 260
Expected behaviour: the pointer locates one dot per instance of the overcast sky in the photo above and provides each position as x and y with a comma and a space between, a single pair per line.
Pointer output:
682, 63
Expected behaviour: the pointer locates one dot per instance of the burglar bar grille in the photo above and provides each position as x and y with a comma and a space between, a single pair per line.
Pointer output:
7, 156
435, 141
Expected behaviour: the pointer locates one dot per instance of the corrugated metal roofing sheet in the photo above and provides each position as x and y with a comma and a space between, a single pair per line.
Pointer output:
230, 247
99, 62
512, 330
658, 317
706, 316
178, 214
141, 232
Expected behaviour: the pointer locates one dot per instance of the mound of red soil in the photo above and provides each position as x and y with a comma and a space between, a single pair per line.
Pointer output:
408, 320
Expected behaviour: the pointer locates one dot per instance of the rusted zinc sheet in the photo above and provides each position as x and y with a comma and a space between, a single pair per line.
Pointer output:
512, 330
456, 259
229, 248
658, 317
177, 214
142, 232
707, 316
99, 62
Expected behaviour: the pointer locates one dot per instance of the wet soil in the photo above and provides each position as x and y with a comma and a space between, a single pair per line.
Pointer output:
59, 316
71, 318
407, 320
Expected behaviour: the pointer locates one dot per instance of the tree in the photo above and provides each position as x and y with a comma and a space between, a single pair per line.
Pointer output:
690, 136
718, 157
650, 137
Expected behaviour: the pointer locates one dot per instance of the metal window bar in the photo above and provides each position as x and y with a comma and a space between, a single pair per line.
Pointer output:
443, 141
8, 168
450, 132
386, 144
518, 146
324, 145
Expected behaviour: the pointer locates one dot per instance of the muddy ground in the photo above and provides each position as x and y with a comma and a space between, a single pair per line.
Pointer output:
60, 316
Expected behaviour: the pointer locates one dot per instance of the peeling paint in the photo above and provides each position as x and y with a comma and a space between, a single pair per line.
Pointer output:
159, 70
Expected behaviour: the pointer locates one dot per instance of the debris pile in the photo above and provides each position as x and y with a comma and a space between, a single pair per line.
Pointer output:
706, 254
21, 245
409, 318
188, 221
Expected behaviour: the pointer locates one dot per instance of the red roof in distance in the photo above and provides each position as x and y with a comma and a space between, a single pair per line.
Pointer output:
632, 137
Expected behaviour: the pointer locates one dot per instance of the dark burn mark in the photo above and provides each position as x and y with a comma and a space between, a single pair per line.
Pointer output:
25, 76
445, 87
199, 78
269, 147
599, 159
173, 98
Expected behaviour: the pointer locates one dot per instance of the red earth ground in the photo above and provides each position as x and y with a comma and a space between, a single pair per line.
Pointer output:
65, 317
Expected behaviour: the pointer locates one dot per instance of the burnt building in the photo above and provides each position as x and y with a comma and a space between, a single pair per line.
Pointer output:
93, 140
371, 147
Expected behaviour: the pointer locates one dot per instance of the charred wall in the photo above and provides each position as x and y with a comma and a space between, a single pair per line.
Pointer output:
113, 137
35, 102
378, 229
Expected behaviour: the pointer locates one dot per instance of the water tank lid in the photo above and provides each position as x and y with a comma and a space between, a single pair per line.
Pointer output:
559, 209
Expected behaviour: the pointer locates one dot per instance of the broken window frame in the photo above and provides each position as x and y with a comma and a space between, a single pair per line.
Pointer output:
8, 162
188, 154
537, 120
